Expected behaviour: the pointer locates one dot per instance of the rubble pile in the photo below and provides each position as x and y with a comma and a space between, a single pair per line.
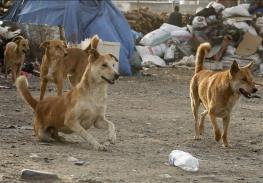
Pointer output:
235, 33
143, 20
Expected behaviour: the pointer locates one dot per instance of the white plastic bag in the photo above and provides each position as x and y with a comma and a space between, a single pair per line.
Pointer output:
155, 37
240, 10
170, 28
199, 22
217, 6
181, 35
150, 60
241, 25
183, 160
151, 50
169, 53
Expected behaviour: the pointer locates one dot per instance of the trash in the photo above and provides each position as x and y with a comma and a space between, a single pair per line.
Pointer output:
217, 6
155, 37
186, 61
181, 35
248, 45
152, 60
183, 160
166, 176
240, 10
34, 156
151, 50
76, 161
36, 175
199, 22
171, 28
169, 53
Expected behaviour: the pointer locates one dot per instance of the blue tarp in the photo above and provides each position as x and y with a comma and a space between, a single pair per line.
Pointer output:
81, 19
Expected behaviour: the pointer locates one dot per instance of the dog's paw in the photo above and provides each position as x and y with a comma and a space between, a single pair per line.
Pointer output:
197, 137
217, 135
227, 145
112, 138
100, 147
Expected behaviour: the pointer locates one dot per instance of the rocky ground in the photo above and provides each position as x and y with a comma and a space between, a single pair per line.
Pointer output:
153, 117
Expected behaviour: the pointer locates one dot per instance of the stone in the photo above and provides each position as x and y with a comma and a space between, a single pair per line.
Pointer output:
35, 174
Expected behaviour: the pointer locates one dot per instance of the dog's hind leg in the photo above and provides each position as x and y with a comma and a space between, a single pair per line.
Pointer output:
14, 76
195, 103
201, 123
215, 127
106, 124
226, 121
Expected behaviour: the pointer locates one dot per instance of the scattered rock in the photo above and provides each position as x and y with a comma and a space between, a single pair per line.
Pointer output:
17, 110
166, 176
35, 174
76, 161
34, 156
13, 146
80, 163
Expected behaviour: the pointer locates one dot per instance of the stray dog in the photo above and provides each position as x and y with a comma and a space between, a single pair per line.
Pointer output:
218, 92
14, 56
59, 61
78, 109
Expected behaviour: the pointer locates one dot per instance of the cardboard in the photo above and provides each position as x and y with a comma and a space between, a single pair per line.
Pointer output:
249, 45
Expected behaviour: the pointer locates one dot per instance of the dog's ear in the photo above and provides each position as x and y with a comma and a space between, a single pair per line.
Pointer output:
65, 44
94, 42
112, 56
17, 39
234, 68
93, 55
249, 66
45, 44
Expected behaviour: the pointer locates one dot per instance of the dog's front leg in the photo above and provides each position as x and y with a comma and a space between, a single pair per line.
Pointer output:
14, 69
43, 86
59, 86
215, 127
75, 126
226, 121
106, 124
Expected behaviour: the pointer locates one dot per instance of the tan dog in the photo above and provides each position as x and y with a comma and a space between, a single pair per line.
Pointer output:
218, 92
59, 61
14, 56
80, 108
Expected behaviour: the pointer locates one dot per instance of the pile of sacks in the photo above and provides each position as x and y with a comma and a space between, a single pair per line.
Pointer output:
233, 33
162, 45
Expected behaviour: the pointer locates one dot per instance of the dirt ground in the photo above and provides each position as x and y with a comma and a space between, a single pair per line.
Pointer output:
153, 117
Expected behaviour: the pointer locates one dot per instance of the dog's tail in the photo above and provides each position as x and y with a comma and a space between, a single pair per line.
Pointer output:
202, 51
22, 87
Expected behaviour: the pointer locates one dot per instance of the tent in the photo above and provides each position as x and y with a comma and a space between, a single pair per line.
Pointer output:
81, 19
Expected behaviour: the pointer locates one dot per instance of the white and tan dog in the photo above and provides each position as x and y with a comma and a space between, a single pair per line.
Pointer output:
14, 56
78, 109
218, 92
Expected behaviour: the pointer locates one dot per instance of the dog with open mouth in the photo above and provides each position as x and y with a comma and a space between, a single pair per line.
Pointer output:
78, 109
218, 92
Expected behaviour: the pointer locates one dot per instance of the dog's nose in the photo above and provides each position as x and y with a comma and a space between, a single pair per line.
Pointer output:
116, 76
254, 90
66, 53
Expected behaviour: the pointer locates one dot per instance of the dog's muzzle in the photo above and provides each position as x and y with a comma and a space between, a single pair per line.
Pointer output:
108, 80
247, 94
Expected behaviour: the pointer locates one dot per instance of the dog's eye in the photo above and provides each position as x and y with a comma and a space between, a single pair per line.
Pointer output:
104, 65
244, 79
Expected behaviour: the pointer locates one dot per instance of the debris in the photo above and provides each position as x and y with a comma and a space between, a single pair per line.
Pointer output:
76, 161
249, 45
34, 156
37, 175
166, 176
184, 160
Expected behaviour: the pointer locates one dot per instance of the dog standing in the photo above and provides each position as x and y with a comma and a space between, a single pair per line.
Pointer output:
14, 56
59, 61
218, 92
78, 109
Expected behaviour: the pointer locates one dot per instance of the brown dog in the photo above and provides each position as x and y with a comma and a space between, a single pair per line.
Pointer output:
58, 62
218, 92
78, 109
14, 56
